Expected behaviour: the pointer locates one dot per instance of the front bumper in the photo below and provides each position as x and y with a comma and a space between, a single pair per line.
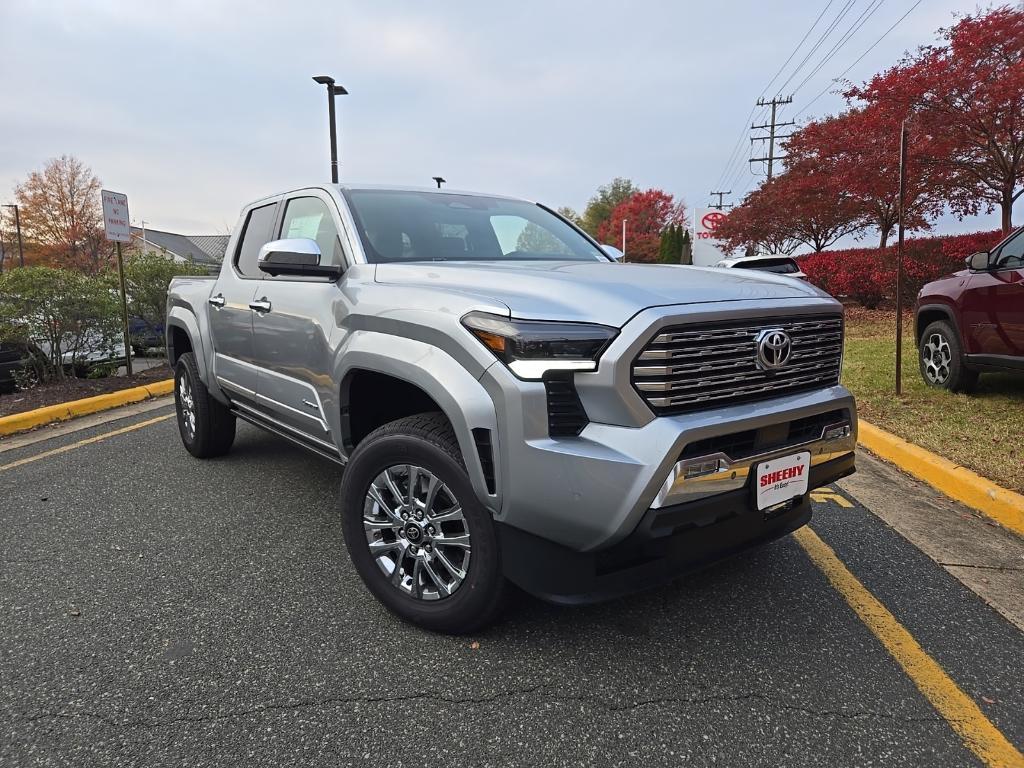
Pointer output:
668, 542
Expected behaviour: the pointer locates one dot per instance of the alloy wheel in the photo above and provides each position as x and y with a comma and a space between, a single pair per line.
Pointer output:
937, 357
188, 406
417, 532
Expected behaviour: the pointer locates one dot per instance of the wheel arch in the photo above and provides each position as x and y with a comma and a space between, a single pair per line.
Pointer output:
403, 367
926, 314
182, 326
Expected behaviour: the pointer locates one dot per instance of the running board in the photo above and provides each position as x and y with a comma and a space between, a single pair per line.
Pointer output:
256, 421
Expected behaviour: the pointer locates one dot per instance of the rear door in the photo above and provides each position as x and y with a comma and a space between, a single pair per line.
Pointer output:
230, 313
994, 304
293, 331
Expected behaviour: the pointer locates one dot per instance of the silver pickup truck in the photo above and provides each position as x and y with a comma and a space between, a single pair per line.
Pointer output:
508, 402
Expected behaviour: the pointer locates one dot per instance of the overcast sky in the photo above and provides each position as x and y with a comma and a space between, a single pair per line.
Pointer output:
193, 108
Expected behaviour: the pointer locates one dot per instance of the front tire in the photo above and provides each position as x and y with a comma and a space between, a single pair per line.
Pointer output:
941, 361
206, 426
418, 537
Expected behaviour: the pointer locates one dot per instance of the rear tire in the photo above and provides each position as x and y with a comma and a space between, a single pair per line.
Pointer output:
941, 359
206, 426
435, 559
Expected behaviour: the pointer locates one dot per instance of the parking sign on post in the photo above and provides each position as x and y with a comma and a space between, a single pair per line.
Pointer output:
117, 227
115, 217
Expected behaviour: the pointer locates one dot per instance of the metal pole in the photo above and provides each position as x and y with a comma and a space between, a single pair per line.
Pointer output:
624, 240
334, 134
124, 312
904, 140
17, 225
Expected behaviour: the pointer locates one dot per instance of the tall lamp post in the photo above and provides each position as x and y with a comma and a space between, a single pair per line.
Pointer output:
439, 180
17, 225
332, 91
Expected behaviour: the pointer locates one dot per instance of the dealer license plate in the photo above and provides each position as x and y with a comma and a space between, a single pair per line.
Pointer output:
779, 480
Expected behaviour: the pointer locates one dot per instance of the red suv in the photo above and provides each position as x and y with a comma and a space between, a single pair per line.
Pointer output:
973, 320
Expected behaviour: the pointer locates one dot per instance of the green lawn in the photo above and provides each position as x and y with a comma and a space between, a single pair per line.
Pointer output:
983, 431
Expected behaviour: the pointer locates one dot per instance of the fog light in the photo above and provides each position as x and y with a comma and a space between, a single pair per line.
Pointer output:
702, 468
836, 433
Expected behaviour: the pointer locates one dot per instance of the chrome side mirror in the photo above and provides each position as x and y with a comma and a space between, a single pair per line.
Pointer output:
299, 256
612, 251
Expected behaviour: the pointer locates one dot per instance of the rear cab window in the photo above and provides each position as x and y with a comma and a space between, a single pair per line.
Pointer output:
257, 232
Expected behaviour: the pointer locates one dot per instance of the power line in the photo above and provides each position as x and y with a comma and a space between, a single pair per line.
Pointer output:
802, 41
861, 20
821, 41
720, 205
735, 156
859, 58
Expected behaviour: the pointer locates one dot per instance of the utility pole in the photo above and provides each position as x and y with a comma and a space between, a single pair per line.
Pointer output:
17, 225
720, 206
772, 136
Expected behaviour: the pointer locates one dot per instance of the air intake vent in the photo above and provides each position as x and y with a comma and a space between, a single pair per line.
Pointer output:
566, 417
482, 438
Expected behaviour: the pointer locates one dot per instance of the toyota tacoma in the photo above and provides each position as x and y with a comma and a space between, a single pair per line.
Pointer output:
508, 402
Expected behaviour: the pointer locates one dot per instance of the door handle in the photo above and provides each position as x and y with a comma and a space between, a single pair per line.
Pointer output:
216, 301
260, 305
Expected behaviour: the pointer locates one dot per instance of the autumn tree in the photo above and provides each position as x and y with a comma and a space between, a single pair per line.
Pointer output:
601, 205
647, 214
856, 156
967, 94
61, 214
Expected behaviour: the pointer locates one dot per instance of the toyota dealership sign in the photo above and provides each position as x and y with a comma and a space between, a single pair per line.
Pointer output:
707, 249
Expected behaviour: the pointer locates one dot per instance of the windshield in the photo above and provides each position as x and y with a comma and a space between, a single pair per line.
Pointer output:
397, 226
778, 266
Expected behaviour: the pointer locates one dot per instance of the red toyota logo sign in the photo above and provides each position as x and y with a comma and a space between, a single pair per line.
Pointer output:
712, 220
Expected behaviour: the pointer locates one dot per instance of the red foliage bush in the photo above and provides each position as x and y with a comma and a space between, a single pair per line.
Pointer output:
868, 275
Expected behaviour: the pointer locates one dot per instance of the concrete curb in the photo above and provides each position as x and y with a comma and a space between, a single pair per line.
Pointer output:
1000, 504
19, 422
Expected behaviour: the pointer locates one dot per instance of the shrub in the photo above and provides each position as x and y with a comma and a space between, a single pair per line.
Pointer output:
146, 278
61, 310
868, 275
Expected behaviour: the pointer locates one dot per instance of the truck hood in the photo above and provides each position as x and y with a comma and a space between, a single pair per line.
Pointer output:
600, 292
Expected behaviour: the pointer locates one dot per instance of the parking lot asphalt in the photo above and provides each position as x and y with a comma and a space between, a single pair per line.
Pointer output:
159, 610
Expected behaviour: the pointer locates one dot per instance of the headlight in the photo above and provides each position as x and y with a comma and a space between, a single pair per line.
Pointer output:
531, 348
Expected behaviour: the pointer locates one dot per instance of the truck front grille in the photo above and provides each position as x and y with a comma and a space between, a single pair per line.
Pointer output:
711, 365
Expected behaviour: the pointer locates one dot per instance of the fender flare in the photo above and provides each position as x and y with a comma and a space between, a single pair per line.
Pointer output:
461, 397
179, 317
943, 309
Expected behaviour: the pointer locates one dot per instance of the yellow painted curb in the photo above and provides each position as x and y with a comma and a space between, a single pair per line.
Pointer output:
19, 422
998, 503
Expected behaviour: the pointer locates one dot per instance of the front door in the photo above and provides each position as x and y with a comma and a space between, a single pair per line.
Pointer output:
292, 330
994, 303
230, 309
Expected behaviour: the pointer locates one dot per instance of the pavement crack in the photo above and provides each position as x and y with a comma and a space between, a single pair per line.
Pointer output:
1012, 568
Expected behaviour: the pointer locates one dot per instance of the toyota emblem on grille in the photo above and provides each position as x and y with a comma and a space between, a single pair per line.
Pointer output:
774, 348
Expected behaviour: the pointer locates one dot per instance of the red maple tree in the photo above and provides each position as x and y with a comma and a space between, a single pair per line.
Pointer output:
798, 207
967, 97
856, 155
646, 215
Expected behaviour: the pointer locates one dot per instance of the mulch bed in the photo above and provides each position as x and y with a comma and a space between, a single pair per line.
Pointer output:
55, 392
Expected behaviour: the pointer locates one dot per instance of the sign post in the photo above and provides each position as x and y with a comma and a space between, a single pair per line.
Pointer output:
904, 139
116, 227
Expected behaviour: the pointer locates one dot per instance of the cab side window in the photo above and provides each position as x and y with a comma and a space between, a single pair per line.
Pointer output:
256, 234
1012, 254
309, 217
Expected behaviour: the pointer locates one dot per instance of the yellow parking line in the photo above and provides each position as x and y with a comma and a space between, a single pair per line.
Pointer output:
977, 732
86, 441
827, 494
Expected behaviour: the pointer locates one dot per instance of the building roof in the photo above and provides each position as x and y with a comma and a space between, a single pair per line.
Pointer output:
201, 249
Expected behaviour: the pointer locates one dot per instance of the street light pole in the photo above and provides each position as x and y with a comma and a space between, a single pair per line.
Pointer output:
17, 226
624, 240
904, 141
439, 181
332, 91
